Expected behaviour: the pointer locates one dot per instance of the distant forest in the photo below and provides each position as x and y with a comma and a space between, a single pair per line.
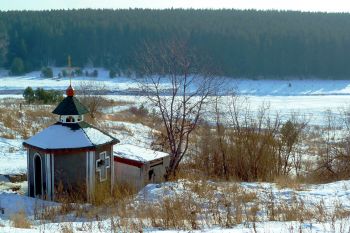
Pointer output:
237, 43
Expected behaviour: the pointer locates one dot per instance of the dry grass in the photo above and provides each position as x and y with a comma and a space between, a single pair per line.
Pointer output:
133, 116
105, 203
200, 205
125, 116
21, 120
225, 206
288, 182
8, 135
118, 128
19, 220
24, 120
66, 228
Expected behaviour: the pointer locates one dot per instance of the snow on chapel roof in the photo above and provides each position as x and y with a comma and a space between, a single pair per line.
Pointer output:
137, 153
70, 136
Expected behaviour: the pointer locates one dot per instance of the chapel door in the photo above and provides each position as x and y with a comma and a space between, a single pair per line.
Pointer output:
38, 182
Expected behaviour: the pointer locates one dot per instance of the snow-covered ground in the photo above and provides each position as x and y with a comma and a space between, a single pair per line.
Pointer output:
285, 97
131, 133
13, 158
328, 195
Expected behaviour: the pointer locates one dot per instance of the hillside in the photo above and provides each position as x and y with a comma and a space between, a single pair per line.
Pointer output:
236, 43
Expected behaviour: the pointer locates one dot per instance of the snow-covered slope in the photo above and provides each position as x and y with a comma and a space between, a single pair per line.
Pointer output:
311, 197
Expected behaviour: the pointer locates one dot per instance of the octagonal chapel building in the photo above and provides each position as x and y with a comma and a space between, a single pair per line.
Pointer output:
70, 155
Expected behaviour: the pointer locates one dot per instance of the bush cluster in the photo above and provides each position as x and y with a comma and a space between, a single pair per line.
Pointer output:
46, 72
42, 96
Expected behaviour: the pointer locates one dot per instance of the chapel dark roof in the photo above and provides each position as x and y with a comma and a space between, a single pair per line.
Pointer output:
70, 106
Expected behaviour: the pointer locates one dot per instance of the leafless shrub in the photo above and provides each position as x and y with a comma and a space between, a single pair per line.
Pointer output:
90, 94
332, 150
139, 111
248, 146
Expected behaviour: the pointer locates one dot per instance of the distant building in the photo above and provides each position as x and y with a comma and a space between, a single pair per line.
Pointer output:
69, 156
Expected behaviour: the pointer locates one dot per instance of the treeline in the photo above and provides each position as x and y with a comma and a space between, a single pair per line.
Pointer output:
234, 42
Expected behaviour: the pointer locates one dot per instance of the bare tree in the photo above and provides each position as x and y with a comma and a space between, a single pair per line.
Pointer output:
179, 91
90, 93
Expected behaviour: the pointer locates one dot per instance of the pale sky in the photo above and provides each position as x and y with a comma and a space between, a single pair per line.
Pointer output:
303, 5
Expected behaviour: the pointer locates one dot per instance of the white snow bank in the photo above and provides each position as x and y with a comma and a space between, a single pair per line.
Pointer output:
13, 157
154, 192
14, 203
329, 194
137, 153
135, 134
311, 195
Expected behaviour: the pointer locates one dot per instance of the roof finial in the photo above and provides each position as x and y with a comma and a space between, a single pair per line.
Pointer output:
70, 70
70, 90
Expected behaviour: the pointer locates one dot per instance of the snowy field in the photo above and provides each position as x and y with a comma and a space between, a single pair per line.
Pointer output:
309, 98
328, 195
